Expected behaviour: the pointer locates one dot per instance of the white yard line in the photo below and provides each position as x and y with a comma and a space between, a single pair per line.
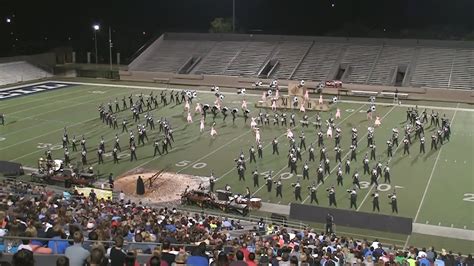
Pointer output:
419, 106
50, 102
432, 173
406, 242
284, 134
49, 133
347, 154
258, 95
355, 112
214, 151
371, 187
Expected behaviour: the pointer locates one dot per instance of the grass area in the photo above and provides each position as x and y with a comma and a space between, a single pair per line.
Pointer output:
435, 188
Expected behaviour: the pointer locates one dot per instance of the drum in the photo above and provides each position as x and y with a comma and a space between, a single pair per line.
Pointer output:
255, 203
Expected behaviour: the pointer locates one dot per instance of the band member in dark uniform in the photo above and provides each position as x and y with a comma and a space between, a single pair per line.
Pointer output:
269, 183
133, 154
320, 174
305, 171
339, 176
393, 202
353, 198
311, 152
115, 156
329, 224
375, 201
422, 144
389, 148
252, 154
255, 178
212, 182
100, 153
386, 174
312, 191
275, 146
279, 188
332, 196
355, 179
347, 169
406, 146
297, 191
260, 151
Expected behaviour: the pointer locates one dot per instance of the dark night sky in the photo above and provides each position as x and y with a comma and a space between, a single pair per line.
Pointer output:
58, 21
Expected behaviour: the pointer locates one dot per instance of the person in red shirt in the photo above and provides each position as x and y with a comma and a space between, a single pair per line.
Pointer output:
251, 259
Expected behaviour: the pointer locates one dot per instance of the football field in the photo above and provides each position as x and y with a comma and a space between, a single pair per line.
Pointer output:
435, 189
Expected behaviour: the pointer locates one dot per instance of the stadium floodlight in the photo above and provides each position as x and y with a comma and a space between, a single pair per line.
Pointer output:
8, 20
96, 28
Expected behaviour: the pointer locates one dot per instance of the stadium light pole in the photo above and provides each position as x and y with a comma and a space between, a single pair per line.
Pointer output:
110, 48
96, 28
233, 16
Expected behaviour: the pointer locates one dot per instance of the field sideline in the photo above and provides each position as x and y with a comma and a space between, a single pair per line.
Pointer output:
435, 189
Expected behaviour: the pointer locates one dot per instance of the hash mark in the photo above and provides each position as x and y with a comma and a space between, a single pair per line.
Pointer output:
451, 225
427, 222
439, 224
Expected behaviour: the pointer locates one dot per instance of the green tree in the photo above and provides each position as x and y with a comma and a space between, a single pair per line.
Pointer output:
221, 25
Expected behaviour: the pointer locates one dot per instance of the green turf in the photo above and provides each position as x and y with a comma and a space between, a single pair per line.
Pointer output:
38, 120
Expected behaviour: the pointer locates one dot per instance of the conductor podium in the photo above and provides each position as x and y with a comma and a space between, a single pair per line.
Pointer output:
298, 97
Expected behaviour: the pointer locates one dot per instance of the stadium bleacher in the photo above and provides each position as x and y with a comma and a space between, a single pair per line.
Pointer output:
217, 60
432, 64
250, 59
172, 54
288, 54
390, 58
360, 59
462, 74
319, 62
433, 68
14, 72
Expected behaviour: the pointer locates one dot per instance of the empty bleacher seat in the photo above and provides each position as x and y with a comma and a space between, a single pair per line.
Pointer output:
319, 62
433, 67
361, 59
14, 72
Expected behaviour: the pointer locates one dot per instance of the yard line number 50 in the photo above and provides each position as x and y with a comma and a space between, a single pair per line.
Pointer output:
195, 166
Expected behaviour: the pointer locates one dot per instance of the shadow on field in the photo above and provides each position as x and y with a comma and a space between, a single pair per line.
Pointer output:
429, 154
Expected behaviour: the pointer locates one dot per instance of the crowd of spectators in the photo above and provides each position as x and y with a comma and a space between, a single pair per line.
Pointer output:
45, 222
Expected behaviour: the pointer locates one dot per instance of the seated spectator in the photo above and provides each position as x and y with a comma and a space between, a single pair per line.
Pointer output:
166, 254
198, 256
221, 259
131, 259
181, 259
76, 253
294, 261
23, 257
62, 261
239, 255
25, 244
251, 260
116, 253
55, 244
97, 258
29, 244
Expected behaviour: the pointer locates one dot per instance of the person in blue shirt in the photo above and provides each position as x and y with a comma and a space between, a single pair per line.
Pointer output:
198, 256
55, 244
